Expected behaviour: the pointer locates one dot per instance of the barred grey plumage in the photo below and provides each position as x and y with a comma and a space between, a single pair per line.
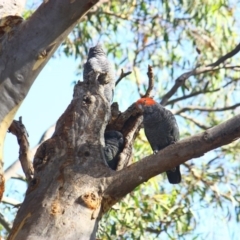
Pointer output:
98, 63
161, 130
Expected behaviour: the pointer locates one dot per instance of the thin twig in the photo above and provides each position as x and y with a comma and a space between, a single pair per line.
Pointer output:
204, 109
5, 223
115, 15
199, 70
19, 177
10, 201
225, 57
203, 91
200, 125
123, 75
137, 81
152, 230
150, 82
181, 79
11, 170
18, 129
191, 95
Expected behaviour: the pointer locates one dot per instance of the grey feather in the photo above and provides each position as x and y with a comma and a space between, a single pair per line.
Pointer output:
98, 64
113, 146
161, 130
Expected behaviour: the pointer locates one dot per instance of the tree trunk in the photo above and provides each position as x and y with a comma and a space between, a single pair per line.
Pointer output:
64, 199
28, 45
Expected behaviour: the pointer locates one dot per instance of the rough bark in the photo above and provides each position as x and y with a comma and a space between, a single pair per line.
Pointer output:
28, 45
64, 199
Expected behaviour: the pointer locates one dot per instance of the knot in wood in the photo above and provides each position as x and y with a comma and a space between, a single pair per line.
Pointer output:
107, 203
91, 200
56, 208
207, 137
87, 100
33, 185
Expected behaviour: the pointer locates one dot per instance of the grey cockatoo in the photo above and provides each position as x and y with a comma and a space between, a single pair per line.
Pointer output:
98, 63
113, 146
161, 130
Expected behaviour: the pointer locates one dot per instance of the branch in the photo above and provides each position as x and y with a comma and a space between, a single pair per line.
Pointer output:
116, 15
225, 57
126, 155
123, 75
5, 223
150, 82
12, 169
35, 41
203, 91
18, 129
10, 172
196, 71
11, 201
203, 109
191, 95
173, 155
200, 125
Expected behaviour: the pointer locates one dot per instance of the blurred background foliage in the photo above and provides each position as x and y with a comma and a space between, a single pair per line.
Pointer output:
173, 37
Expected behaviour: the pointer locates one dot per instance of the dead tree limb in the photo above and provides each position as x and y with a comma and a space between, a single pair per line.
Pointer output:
11, 171
5, 223
150, 82
226, 56
18, 129
123, 75
205, 109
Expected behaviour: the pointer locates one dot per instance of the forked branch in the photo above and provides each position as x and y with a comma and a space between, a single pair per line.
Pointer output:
199, 70
123, 75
